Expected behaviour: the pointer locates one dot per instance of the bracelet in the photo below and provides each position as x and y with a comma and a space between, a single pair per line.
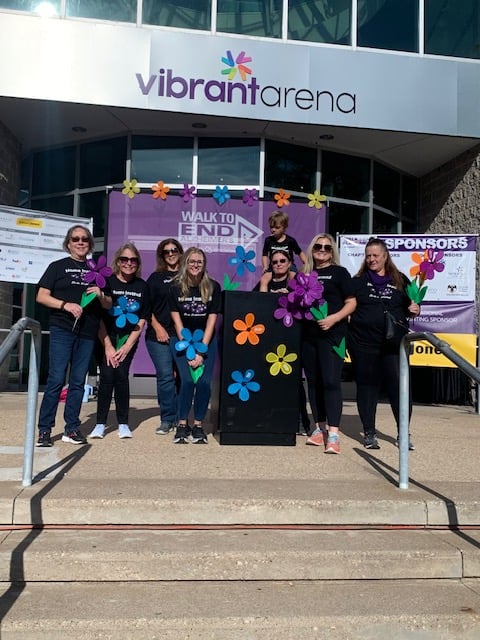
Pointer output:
62, 306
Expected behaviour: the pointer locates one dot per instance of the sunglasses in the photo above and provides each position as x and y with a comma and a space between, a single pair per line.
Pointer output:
125, 259
80, 239
280, 261
195, 263
167, 252
322, 247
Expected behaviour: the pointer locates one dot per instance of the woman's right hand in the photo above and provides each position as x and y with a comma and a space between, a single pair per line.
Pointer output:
75, 309
161, 334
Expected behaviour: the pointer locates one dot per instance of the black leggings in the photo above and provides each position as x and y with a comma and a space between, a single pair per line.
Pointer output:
323, 370
371, 371
114, 379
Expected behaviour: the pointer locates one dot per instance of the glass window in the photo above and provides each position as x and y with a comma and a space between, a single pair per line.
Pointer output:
53, 171
250, 17
186, 14
103, 162
228, 162
384, 223
320, 20
60, 204
120, 11
452, 28
53, 6
386, 187
162, 158
345, 176
95, 205
388, 24
347, 218
409, 198
289, 166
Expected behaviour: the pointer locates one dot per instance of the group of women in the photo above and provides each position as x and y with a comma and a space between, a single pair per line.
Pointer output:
179, 303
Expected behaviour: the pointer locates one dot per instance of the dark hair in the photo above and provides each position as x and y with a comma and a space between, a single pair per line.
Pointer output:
390, 269
161, 264
86, 231
131, 247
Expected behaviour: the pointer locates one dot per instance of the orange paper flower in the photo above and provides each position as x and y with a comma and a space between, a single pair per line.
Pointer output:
160, 190
248, 330
418, 259
282, 198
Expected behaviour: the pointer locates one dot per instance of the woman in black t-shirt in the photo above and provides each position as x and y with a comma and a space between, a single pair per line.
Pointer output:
195, 302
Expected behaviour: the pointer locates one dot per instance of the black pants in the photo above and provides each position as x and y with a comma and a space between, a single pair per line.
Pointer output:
323, 370
371, 371
114, 379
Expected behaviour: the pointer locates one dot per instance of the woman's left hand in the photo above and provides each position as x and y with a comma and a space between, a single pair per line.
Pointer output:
327, 323
96, 290
196, 362
414, 309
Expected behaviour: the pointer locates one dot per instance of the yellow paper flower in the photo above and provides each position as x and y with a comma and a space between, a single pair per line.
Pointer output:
248, 330
282, 198
160, 190
316, 199
280, 360
130, 188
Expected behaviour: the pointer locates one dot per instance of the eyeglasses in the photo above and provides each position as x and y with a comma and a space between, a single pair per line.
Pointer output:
125, 259
195, 263
166, 252
322, 247
80, 239
280, 261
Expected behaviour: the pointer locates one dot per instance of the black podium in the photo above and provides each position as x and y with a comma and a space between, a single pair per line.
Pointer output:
269, 416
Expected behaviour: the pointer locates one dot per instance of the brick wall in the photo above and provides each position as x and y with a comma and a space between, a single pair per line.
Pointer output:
9, 187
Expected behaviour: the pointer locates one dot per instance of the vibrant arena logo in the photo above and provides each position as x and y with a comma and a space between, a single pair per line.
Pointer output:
166, 84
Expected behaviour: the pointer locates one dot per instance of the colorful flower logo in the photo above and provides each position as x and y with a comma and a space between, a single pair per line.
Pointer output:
282, 198
160, 190
125, 312
281, 360
243, 384
316, 200
130, 188
187, 193
248, 330
221, 194
236, 64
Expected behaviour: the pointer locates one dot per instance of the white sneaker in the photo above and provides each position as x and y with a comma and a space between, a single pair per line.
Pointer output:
98, 432
124, 431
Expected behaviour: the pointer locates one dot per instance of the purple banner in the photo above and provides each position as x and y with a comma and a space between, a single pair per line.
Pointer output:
202, 222
446, 317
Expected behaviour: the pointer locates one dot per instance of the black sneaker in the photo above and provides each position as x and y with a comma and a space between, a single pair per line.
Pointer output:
198, 435
411, 446
75, 437
371, 442
44, 439
182, 434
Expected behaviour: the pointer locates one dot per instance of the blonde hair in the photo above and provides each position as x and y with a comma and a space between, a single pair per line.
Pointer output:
183, 280
128, 246
309, 265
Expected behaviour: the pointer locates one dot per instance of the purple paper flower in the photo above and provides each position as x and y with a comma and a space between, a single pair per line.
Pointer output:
431, 264
306, 290
187, 193
250, 196
242, 261
98, 272
221, 194
287, 312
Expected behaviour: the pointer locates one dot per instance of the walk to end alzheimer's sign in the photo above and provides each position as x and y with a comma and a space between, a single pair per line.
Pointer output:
448, 308
30, 241
204, 223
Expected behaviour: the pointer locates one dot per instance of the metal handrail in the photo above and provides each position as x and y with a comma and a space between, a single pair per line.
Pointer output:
33, 377
404, 389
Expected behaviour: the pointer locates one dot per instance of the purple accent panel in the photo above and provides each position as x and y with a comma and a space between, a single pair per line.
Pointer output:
446, 318
202, 222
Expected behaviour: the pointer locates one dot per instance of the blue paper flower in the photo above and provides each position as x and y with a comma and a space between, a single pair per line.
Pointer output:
191, 343
125, 312
243, 384
242, 260
221, 194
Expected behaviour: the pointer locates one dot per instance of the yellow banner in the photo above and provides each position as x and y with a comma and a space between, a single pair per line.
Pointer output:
425, 355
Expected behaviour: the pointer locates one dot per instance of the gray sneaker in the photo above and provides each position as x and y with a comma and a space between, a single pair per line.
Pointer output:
124, 431
370, 441
165, 428
411, 446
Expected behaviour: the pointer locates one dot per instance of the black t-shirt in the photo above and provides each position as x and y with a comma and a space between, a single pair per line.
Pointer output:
65, 280
137, 291
159, 283
337, 287
367, 323
289, 245
193, 312
280, 286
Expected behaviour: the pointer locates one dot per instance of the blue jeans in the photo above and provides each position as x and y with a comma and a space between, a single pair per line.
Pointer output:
161, 356
66, 348
200, 392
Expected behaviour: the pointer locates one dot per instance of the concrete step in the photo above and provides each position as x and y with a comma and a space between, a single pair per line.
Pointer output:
258, 610
249, 554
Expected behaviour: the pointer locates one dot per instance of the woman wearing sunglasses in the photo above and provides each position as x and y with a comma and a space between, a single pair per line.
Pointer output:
73, 331
160, 330
119, 332
323, 342
276, 280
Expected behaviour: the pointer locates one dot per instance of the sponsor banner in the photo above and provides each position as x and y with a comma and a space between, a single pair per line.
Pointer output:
217, 229
424, 354
30, 241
